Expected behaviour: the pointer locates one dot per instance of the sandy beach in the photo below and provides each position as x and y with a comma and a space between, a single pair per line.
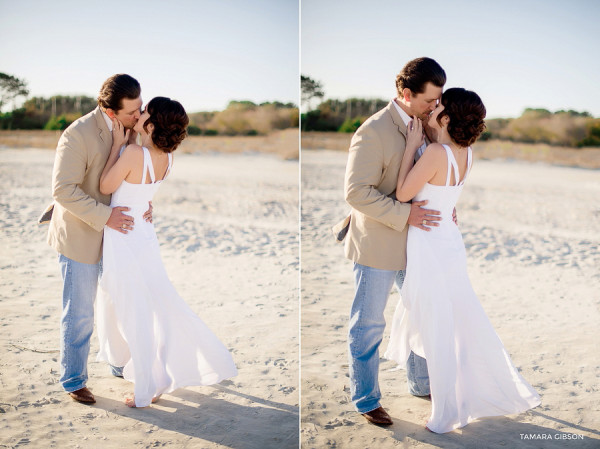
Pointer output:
228, 229
531, 232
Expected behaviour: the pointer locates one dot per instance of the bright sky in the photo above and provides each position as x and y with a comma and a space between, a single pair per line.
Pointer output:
203, 53
513, 53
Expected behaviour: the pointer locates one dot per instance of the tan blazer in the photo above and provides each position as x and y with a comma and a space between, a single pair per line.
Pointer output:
378, 225
80, 210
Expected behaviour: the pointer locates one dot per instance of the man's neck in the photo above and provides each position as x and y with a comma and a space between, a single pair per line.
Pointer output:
106, 118
400, 102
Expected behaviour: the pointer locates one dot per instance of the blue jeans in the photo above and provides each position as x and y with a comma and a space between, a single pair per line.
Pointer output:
80, 284
365, 334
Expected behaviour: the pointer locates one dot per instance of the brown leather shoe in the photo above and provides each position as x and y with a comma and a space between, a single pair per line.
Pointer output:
379, 416
83, 395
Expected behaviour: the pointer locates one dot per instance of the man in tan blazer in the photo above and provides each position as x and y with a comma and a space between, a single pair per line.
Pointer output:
78, 219
376, 235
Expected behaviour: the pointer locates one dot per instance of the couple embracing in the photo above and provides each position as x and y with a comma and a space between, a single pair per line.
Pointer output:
416, 153
101, 226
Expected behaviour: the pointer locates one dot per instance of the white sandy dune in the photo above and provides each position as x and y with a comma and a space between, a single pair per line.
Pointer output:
532, 233
228, 228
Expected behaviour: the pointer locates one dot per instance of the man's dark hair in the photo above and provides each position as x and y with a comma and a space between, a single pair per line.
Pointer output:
115, 89
170, 123
417, 73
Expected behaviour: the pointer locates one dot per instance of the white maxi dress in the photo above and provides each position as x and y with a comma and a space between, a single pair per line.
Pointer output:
143, 324
440, 318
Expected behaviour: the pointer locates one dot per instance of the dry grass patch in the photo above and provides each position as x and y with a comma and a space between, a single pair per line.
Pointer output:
493, 149
283, 143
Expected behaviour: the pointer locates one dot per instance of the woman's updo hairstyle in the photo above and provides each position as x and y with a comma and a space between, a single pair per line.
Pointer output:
170, 123
466, 112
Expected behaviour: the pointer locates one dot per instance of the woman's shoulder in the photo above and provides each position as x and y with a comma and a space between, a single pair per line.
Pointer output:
133, 150
132, 153
435, 147
435, 150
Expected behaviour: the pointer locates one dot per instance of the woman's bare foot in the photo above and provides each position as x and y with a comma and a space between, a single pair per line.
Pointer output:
131, 401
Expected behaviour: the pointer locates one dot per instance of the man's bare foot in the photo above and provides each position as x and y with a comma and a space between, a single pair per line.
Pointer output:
131, 401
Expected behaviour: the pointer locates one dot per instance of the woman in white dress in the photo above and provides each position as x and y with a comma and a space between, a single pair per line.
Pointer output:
439, 316
143, 324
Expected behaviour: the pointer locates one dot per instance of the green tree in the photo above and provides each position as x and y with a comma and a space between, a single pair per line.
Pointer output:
241, 103
573, 113
593, 136
351, 124
10, 88
318, 120
278, 104
194, 130
310, 89
61, 122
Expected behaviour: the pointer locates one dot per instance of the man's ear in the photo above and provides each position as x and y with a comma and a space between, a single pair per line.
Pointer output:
110, 112
406, 94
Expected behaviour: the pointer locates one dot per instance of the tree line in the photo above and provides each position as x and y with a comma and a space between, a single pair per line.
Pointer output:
245, 118
59, 111
564, 127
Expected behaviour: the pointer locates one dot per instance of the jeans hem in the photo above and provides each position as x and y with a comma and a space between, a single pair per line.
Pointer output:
72, 389
419, 395
367, 409
116, 371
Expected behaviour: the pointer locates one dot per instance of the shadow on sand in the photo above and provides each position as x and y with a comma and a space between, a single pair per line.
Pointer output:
264, 424
498, 432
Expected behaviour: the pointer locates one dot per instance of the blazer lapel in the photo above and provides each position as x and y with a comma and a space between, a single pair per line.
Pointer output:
396, 118
103, 130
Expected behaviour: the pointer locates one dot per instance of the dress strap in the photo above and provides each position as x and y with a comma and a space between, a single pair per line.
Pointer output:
469, 163
148, 167
168, 170
144, 168
169, 166
451, 163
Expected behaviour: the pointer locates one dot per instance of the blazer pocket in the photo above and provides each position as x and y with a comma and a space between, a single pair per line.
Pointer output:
46, 215
341, 229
